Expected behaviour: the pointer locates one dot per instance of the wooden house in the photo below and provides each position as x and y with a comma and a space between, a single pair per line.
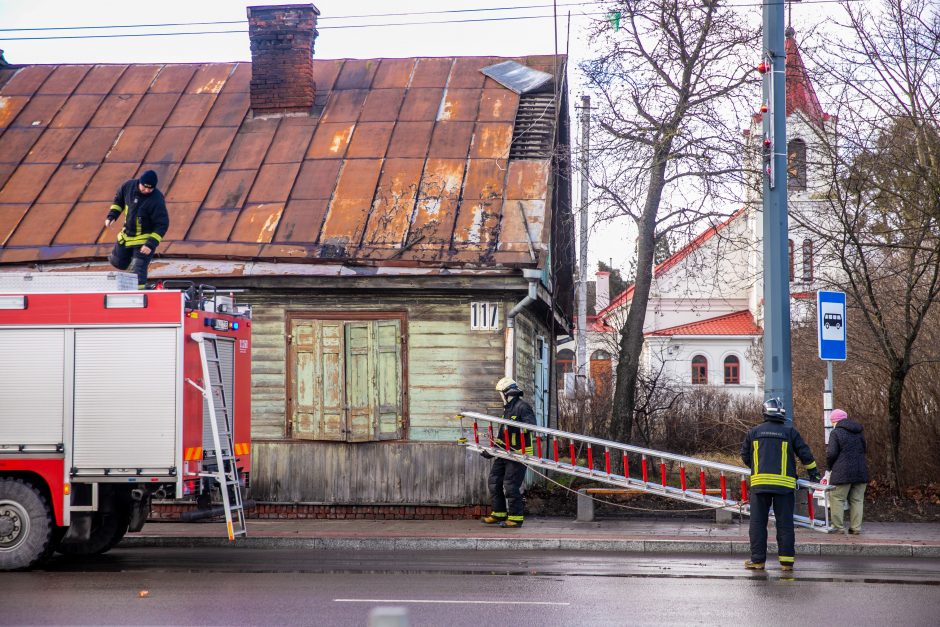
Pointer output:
401, 228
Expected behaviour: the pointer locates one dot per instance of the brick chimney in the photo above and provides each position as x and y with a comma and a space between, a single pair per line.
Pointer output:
282, 39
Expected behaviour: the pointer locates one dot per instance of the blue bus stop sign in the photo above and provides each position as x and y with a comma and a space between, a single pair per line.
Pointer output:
830, 320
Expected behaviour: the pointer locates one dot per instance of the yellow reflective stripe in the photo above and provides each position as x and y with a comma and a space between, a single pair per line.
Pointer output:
783, 458
769, 479
137, 239
517, 518
811, 466
756, 448
786, 559
117, 208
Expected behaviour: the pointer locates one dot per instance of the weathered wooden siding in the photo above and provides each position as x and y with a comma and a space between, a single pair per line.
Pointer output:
406, 473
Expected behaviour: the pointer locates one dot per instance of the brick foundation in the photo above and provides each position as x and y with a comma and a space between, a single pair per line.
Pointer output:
170, 511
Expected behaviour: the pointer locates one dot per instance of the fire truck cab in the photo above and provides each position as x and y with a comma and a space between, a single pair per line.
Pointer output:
98, 411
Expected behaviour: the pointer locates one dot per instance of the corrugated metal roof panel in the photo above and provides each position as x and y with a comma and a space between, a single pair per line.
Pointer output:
173, 79
115, 110
191, 110
317, 179
410, 139
229, 190
330, 141
211, 144
393, 73
517, 77
171, 144
26, 183
291, 141
382, 105
84, 224
491, 140
528, 179
451, 140
39, 226
394, 202
64, 79
27, 80
17, 142
136, 79
344, 106
239, 81
210, 78
182, 215
273, 183
460, 104
192, 182
466, 72
257, 223
154, 109
10, 216
325, 73
421, 104
92, 145
106, 180
40, 110
248, 149
67, 183
431, 72
133, 144
229, 108
302, 220
370, 139
213, 225
77, 111
100, 80
356, 74
10, 107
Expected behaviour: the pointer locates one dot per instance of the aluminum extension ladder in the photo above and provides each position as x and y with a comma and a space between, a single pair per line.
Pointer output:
551, 447
226, 473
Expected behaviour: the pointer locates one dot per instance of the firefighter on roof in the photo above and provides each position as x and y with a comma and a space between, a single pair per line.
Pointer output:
770, 450
145, 223
506, 476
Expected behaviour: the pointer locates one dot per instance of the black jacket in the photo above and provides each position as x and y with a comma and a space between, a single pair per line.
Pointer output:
845, 454
145, 217
520, 411
770, 451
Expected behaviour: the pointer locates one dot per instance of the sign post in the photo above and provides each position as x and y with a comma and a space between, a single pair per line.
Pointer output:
830, 324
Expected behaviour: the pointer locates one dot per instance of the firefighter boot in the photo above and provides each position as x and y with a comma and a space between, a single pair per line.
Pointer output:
786, 567
493, 519
754, 565
511, 524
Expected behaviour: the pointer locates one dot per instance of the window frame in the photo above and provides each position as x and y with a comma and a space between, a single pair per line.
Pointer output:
736, 364
700, 378
796, 164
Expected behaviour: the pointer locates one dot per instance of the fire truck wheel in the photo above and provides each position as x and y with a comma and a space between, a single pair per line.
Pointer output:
25, 525
106, 531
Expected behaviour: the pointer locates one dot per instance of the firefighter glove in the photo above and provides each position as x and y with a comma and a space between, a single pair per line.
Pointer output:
486, 455
814, 476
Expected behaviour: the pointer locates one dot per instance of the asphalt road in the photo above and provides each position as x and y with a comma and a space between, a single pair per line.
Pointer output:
150, 586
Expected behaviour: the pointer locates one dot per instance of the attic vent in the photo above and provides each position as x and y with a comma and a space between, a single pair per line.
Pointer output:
534, 129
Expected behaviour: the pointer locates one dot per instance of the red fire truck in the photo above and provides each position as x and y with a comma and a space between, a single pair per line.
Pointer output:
103, 407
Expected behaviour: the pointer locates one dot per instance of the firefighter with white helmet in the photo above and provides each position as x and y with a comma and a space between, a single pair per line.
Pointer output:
506, 476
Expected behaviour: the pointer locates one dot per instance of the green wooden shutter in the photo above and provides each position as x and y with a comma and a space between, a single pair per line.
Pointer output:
388, 407
318, 403
360, 380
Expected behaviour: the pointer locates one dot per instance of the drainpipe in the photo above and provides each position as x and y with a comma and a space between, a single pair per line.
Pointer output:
532, 275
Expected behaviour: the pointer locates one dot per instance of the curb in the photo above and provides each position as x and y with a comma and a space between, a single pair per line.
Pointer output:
526, 544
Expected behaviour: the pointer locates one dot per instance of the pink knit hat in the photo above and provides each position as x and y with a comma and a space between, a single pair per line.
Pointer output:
837, 415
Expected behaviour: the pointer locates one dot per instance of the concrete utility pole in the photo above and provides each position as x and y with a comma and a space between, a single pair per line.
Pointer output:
777, 365
581, 373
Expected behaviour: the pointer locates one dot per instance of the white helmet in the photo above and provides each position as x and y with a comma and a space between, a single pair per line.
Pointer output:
507, 387
774, 407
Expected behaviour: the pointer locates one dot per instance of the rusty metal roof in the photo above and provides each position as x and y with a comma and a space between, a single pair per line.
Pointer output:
407, 161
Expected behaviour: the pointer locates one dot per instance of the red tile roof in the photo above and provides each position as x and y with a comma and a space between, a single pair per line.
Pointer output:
673, 260
737, 323
407, 160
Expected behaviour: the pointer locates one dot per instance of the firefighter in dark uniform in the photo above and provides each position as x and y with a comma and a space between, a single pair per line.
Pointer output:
770, 451
506, 475
145, 223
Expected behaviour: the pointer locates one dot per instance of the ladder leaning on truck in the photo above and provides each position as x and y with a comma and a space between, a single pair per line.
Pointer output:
104, 406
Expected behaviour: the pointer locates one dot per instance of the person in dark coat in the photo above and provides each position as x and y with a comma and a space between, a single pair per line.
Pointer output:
848, 471
507, 475
145, 223
770, 450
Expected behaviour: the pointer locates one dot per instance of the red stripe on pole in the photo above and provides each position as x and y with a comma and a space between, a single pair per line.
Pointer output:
626, 466
489, 428
607, 461
743, 490
538, 445
590, 458
809, 505
701, 481
476, 433
682, 477
645, 472
571, 451
724, 487
555, 447
662, 472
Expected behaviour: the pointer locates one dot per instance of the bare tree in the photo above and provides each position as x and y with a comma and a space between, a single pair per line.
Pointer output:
671, 84
883, 223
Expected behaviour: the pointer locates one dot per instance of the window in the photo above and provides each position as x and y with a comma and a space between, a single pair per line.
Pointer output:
564, 364
346, 378
807, 260
484, 317
732, 370
790, 243
601, 372
796, 164
699, 370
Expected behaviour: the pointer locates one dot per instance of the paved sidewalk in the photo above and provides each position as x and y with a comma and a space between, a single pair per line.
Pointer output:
636, 535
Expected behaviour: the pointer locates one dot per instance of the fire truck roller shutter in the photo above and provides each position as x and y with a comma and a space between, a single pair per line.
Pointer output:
126, 398
227, 358
32, 386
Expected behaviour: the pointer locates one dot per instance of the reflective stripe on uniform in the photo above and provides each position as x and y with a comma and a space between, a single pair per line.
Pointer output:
517, 518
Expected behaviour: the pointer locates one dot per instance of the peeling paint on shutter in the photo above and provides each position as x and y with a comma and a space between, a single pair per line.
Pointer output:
388, 408
360, 380
318, 380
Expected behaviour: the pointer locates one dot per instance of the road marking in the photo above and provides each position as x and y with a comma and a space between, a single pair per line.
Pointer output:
453, 602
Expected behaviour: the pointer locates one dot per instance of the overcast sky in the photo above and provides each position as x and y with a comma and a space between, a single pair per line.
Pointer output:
414, 28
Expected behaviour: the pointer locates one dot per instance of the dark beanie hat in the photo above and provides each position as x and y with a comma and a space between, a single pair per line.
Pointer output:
149, 178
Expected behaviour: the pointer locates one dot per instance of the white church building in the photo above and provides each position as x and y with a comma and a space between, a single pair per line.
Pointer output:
703, 323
